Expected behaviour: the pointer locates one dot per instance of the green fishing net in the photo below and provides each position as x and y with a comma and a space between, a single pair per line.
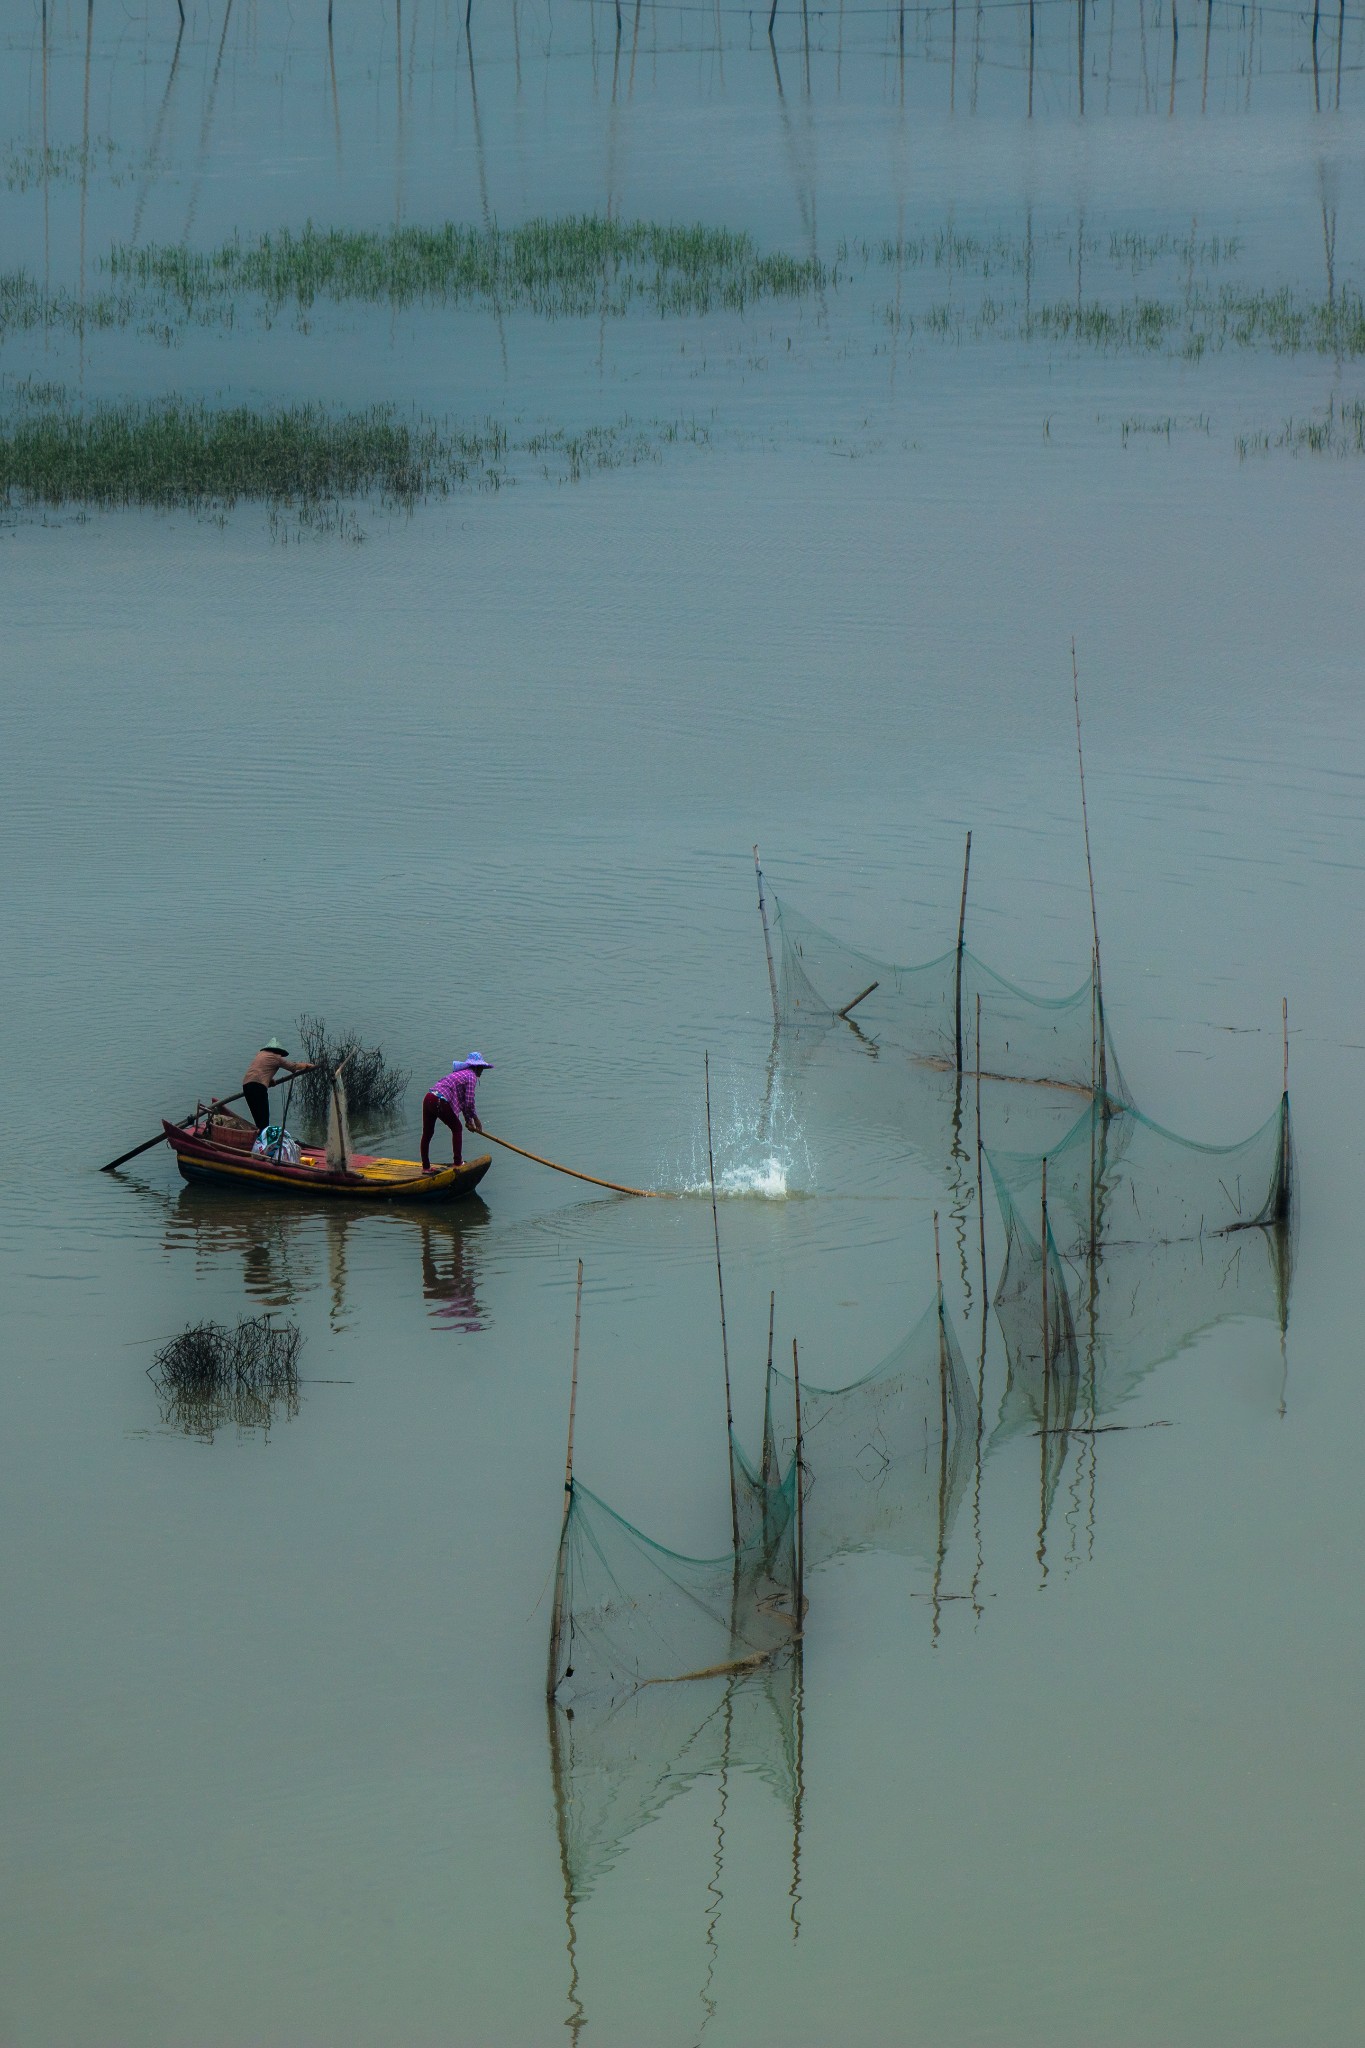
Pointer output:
887, 1458
929, 1011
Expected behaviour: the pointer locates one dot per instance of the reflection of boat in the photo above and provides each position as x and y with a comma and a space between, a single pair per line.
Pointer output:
219, 1149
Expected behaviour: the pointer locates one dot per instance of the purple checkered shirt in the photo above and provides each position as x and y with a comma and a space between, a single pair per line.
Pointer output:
457, 1088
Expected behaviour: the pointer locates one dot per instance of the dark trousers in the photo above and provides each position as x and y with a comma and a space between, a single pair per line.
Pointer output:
436, 1110
258, 1102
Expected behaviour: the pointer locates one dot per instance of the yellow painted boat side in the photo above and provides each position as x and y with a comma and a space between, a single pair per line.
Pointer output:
379, 1180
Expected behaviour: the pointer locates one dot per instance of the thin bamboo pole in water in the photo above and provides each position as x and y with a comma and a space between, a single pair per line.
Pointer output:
556, 1613
724, 1337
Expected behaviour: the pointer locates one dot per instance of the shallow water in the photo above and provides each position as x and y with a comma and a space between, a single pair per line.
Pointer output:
275, 1764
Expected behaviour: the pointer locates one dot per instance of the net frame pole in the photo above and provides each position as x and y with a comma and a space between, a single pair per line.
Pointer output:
767, 939
557, 1611
724, 1335
1090, 872
800, 1497
768, 1463
961, 948
980, 1180
1285, 1191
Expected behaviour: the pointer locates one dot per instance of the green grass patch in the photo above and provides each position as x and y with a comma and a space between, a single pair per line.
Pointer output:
175, 453
577, 266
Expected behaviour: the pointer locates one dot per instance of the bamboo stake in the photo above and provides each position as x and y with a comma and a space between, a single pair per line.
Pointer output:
961, 946
556, 1615
767, 940
1089, 866
724, 1339
941, 1549
1285, 1191
858, 999
769, 1459
800, 1497
942, 1347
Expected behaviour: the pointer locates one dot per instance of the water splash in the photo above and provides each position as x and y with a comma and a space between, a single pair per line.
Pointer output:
760, 1148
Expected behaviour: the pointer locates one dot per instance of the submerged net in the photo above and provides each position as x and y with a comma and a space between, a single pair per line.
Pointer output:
633, 1614
1033, 1309
614, 1767
886, 1459
1060, 1041
1118, 1178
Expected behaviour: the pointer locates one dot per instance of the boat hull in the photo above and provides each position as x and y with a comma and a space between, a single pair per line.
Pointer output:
232, 1164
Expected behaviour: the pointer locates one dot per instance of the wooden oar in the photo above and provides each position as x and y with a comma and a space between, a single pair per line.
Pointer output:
649, 1194
181, 1123
224, 1102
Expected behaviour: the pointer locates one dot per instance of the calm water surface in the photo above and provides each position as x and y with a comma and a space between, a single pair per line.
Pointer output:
275, 1765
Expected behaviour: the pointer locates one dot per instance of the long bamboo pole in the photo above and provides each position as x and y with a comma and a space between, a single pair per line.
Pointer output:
941, 1550
767, 940
724, 1338
1286, 1193
961, 947
617, 1187
1089, 867
556, 1614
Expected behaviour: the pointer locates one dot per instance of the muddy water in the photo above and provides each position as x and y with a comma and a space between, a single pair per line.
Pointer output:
275, 1763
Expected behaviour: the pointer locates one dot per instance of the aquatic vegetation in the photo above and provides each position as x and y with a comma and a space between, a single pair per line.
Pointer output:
373, 1088
1340, 430
580, 265
176, 453
210, 1375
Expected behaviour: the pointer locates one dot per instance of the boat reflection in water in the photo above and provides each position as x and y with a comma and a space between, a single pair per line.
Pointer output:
289, 1251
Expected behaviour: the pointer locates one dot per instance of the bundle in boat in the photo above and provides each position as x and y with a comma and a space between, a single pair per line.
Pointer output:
887, 1458
1118, 1178
213, 1374
374, 1089
929, 1011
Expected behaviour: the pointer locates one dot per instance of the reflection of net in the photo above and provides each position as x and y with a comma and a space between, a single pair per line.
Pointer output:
887, 1459
1033, 1309
1023, 1037
616, 1767
1135, 1306
635, 1614
1118, 1178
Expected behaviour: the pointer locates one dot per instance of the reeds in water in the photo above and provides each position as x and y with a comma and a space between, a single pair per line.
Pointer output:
373, 1088
178, 453
211, 1375
580, 265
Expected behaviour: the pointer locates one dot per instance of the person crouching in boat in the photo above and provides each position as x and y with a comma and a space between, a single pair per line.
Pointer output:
451, 1098
261, 1075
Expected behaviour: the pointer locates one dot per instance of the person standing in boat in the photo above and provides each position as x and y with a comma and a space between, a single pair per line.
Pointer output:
261, 1075
449, 1099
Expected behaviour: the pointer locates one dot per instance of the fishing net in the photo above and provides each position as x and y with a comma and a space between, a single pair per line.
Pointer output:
1118, 1178
631, 1613
614, 1767
886, 1459
929, 1011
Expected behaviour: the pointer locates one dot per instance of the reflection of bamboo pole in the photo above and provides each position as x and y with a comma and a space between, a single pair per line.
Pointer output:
981, 1364
577, 2016
942, 1440
961, 947
800, 1498
556, 1615
767, 939
799, 1776
1285, 1190
724, 1338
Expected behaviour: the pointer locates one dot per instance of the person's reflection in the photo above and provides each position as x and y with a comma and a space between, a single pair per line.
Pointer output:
450, 1266
278, 1262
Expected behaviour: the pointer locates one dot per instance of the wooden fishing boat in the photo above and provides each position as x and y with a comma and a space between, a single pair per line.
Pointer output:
217, 1147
